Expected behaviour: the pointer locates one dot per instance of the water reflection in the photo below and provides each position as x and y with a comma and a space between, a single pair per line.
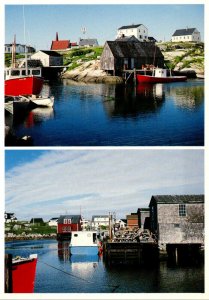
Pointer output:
87, 114
63, 250
187, 97
130, 101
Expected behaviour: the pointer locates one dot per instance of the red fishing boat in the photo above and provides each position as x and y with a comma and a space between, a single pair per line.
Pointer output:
18, 83
22, 79
23, 274
159, 75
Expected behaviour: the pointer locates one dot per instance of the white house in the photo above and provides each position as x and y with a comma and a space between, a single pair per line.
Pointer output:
186, 35
85, 223
121, 224
19, 48
98, 221
9, 217
53, 222
139, 31
48, 58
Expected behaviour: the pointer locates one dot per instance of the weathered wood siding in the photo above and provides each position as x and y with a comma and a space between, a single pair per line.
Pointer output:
173, 228
120, 55
107, 61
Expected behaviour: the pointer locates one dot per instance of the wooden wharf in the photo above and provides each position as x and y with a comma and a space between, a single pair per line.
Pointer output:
127, 74
130, 253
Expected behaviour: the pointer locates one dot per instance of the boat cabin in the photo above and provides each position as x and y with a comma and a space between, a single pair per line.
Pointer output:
11, 73
160, 72
84, 238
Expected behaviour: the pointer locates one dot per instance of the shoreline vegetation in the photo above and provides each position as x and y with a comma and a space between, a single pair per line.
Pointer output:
29, 231
84, 64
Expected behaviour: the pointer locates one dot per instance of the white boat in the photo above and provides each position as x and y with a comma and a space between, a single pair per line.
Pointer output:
84, 243
20, 104
42, 101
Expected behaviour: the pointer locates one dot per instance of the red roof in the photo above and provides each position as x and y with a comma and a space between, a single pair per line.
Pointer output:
60, 45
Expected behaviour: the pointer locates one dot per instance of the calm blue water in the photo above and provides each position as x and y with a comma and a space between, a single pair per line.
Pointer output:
117, 115
57, 273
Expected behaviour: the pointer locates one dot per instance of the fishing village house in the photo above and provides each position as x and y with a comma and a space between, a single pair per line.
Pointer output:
178, 221
121, 223
19, 48
120, 55
48, 58
66, 224
9, 217
100, 220
88, 42
139, 31
143, 218
53, 222
186, 35
37, 221
61, 45
132, 220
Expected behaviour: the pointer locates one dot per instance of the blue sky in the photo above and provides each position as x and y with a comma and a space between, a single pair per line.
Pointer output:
49, 183
101, 21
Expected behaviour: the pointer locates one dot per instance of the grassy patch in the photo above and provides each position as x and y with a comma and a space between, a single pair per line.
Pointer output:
81, 55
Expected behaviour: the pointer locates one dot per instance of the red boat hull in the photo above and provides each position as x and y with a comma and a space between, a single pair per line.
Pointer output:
152, 79
29, 85
23, 276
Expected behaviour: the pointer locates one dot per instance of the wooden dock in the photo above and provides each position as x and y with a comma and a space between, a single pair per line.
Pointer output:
130, 253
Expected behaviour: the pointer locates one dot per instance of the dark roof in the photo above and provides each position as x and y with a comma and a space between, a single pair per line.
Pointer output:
36, 220
130, 26
133, 49
124, 220
131, 38
187, 31
176, 199
84, 42
50, 52
74, 218
143, 209
150, 38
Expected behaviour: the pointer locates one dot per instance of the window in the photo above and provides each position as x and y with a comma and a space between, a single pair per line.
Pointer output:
182, 210
36, 72
15, 73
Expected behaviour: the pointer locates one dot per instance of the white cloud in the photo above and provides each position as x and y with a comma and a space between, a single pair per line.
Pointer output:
100, 181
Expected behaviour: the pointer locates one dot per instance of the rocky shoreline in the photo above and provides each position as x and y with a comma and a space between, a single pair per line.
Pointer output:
90, 72
33, 236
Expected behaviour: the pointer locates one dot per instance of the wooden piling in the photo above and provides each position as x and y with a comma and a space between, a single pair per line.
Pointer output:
8, 273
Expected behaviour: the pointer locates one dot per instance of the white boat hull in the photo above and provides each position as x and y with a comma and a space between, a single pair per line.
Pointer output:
42, 101
84, 250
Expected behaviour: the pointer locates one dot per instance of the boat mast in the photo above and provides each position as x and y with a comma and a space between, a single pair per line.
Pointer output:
14, 52
26, 61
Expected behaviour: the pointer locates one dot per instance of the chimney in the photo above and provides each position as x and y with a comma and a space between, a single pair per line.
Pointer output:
57, 39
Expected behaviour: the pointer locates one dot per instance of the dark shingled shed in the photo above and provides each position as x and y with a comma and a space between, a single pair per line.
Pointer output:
119, 55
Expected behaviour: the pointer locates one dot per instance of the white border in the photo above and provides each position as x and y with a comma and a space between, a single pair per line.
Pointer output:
2, 174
